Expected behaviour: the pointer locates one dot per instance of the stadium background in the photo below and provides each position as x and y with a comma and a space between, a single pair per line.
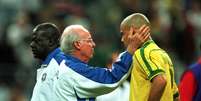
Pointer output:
176, 27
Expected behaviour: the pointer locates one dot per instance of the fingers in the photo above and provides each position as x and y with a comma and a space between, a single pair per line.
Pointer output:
138, 38
144, 33
145, 37
131, 32
144, 30
142, 27
134, 41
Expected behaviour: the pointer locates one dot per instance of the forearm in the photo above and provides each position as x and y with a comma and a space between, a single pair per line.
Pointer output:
157, 88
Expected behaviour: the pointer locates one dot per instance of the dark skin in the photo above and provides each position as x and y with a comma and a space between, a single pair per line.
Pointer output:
157, 88
40, 46
45, 38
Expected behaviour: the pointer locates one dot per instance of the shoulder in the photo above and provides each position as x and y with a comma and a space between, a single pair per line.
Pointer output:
187, 74
59, 57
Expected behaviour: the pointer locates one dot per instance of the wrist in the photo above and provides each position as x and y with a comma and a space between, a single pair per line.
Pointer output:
131, 50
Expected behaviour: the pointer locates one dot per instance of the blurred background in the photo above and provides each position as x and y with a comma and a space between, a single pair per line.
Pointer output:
176, 27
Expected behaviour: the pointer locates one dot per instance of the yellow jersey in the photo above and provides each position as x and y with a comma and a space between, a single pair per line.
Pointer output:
148, 62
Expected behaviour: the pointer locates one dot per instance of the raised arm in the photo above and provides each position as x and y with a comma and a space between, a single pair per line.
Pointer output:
88, 81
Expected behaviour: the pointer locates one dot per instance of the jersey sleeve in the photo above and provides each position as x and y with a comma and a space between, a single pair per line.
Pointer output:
151, 63
88, 81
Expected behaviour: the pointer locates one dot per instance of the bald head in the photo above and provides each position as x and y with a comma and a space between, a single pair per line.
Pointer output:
135, 20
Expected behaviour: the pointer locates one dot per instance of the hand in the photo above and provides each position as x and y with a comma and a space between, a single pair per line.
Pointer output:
136, 39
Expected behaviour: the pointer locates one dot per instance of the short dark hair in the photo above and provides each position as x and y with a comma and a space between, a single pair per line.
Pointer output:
50, 28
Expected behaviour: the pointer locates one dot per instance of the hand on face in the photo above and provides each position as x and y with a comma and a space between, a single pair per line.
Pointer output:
136, 39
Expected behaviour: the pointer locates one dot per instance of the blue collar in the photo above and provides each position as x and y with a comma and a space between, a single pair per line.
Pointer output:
51, 55
72, 58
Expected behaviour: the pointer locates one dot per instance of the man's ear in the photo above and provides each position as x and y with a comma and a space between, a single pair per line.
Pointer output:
52, 43
77, 45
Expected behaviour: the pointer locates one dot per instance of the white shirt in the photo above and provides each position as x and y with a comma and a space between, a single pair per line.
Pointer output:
79, 81
46, 75
119, 94
43, 90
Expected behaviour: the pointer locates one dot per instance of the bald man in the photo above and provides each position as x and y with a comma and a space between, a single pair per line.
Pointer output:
78, 81
152, 76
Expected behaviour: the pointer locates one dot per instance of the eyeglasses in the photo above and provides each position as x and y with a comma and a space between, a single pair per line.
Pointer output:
87, 40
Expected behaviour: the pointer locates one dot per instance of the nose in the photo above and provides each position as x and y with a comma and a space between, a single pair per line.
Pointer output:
93, 44
32, 44
122, 39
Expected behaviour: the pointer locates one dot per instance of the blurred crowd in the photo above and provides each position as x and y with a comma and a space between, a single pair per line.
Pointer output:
176, 27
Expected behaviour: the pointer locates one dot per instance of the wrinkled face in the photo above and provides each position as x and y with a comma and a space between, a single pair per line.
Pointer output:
87, 45
40, 45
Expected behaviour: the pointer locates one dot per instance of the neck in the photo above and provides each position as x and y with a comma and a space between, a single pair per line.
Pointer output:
79, 56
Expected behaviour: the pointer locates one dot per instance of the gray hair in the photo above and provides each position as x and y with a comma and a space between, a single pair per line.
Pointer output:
69, 36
